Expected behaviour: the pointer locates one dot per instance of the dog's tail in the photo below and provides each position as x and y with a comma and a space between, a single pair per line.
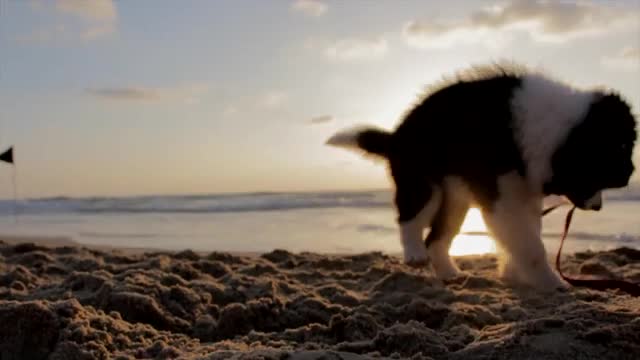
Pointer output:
373, 141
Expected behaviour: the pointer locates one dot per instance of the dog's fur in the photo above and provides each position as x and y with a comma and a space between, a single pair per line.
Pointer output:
501, 138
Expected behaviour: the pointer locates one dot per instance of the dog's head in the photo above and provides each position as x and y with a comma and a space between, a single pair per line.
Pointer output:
597, 153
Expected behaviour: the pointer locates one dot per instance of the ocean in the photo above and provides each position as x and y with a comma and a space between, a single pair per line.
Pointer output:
327, 222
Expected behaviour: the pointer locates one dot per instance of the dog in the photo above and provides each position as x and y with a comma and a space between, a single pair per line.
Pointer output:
501, 138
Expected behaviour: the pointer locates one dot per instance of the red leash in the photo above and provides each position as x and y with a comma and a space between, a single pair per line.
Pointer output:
597, 284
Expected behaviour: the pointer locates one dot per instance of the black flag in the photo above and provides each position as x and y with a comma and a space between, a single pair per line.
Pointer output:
7, 156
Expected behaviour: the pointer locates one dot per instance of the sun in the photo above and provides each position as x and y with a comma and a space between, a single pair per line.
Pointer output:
476, 241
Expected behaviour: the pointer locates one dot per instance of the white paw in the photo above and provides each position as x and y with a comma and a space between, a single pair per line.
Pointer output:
442, 263
509, 274
446, 273
546, 280
555, 282
416, 255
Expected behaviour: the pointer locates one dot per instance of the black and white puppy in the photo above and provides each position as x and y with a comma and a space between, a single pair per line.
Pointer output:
500, 138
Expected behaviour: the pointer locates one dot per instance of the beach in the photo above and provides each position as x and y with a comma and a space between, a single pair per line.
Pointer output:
244, 180
72, 301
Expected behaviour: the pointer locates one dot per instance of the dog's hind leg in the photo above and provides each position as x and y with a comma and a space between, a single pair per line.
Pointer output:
417, 204
445, 226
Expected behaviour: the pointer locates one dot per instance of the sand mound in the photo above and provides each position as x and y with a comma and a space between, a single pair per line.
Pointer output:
77, 303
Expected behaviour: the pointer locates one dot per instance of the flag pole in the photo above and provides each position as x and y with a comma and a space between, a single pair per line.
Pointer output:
15, 193
8, 157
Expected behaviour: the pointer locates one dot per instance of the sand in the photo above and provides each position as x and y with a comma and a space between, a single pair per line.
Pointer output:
64, 301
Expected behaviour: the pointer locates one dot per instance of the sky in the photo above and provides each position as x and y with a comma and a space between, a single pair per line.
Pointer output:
115, 98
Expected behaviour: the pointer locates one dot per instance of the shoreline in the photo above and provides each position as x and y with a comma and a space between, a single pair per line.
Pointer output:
53, 242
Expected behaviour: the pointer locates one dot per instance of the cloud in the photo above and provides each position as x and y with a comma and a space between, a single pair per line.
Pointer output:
273, 99
322, 119
311, 43
627, 58
95, 32
229, 110
187, 93
94, 10
125, 93
353, 49
545, 21
42, 35
84, 19
310, 7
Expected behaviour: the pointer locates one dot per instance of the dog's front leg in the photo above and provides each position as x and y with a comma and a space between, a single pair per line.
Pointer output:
515, 222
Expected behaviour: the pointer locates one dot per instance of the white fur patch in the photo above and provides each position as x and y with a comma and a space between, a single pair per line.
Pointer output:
347, 138
412, 244
545, 110
412, 231
443, 265
515, 223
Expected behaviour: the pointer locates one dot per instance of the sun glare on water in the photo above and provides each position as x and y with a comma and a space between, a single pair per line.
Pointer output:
476, 243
